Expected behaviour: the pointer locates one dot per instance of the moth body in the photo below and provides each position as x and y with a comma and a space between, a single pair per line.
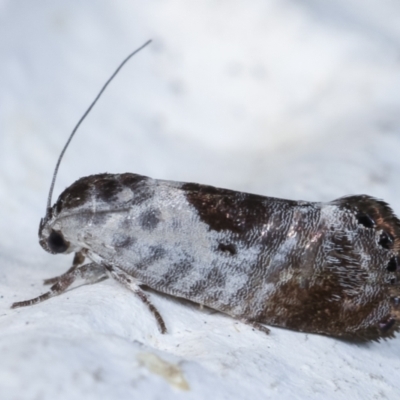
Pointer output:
328, 268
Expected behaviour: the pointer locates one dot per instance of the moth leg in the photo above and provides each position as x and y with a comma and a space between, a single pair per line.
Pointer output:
89, 273
78, 260
256, 325
130, 283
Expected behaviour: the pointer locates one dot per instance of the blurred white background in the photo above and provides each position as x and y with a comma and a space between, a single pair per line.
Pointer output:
295, 99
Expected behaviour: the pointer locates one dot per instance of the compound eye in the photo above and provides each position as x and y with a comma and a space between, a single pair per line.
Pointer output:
57, 243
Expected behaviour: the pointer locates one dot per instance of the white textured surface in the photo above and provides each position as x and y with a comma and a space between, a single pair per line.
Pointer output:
296, 99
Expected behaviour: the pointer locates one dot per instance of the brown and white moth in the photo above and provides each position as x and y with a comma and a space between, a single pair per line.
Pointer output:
328, 268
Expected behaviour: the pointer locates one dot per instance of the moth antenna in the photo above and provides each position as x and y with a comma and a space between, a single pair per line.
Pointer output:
81, 120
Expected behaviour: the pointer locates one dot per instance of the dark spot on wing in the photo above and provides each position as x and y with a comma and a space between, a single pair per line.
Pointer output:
386, 240
99, 218
227, 248
182, 268
365, 220
216, 277
150, 219
175, 274
125, 224
156, 253
392, 265
123, 241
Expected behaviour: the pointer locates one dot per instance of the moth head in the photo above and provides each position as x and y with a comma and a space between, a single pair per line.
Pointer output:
63, 223
52, 240
85, 209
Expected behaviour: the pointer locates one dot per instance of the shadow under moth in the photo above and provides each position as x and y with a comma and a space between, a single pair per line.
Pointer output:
328, 268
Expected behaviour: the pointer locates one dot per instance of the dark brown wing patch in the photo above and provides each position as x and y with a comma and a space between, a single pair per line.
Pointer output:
228, 210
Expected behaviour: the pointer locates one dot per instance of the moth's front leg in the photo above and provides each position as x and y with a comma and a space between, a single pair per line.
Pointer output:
78, 260
89, 273
132, 284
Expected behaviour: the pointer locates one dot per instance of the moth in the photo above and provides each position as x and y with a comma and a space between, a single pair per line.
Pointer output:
327, 268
